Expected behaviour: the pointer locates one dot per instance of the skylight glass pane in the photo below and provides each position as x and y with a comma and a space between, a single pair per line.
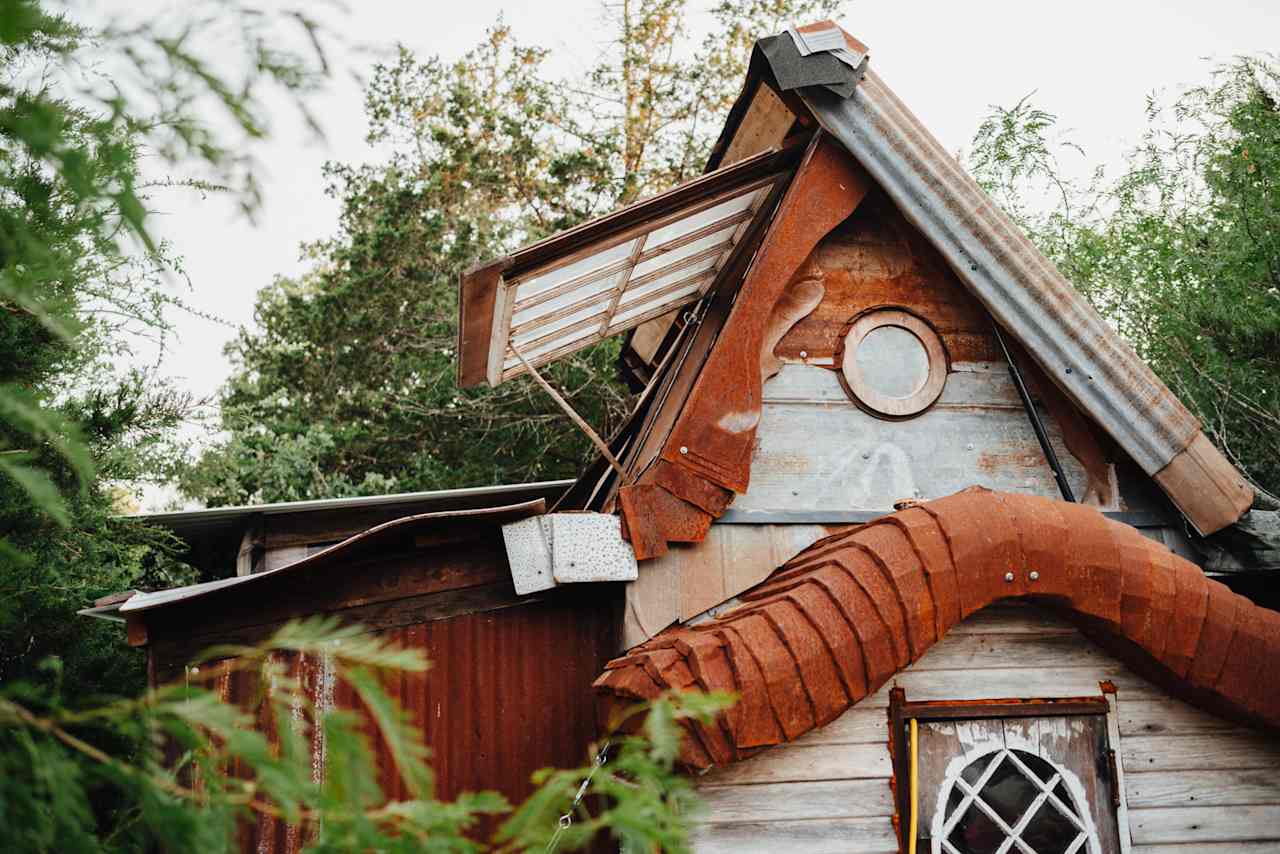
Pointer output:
569, 297
642, 291
672, 300
673, 255
673, 230
581, 337
552, 326
595, 261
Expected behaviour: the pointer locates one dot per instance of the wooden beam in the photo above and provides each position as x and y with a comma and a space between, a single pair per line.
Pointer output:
1205, 486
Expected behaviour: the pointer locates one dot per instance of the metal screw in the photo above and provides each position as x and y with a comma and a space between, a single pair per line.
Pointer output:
1008, 576
683, 449
866, 455
969, 446
803, 354
1034, 576
1069, 370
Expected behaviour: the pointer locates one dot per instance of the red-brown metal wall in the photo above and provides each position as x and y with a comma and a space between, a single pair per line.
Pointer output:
508, 692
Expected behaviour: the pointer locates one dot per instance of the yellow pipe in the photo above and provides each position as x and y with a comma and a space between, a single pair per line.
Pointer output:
915, 790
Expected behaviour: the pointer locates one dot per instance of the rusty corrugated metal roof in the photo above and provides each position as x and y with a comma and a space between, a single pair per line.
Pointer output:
347, 549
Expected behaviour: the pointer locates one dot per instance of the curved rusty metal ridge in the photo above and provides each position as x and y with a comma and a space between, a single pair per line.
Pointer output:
836, 622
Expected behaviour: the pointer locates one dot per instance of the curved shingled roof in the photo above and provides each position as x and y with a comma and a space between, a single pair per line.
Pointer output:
841, 618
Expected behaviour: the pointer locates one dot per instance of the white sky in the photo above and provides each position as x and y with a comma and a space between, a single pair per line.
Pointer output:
1092, 62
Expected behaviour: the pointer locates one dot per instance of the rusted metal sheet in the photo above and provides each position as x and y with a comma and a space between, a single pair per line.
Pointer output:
716, 430
876, 258
504, 696
840, 619
352, 548
1078, 350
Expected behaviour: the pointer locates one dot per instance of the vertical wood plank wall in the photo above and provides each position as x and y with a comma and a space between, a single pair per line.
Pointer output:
1193, 782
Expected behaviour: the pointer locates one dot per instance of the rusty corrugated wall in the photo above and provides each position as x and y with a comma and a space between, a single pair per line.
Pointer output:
508, 692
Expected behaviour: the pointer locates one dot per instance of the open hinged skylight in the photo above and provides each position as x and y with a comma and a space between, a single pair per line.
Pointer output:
611, 274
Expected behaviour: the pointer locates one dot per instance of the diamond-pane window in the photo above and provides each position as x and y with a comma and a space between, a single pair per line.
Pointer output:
1011, 800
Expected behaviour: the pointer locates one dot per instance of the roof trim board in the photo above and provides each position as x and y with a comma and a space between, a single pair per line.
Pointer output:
615, 280
282, 508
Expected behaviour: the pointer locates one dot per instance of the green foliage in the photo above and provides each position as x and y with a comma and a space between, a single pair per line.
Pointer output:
206, 766
346, 386
82, 279
84, 765
1181, 251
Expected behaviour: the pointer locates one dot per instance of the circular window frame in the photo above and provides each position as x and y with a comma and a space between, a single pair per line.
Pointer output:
861, 392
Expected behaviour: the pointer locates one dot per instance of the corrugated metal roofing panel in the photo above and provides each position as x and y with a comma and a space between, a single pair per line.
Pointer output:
365, 540
1016, 283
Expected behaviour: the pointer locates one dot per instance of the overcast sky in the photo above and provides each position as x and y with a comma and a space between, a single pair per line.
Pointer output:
1092, 62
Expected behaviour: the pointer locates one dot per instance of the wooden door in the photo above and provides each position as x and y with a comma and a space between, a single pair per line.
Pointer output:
1016, 785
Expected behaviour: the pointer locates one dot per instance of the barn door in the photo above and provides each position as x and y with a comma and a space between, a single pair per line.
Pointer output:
1016, 783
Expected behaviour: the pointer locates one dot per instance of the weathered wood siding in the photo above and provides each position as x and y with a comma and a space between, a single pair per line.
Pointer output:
818, 451
1193, 782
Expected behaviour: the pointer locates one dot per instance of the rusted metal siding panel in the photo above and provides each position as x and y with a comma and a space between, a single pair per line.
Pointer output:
507, 693
1016, 283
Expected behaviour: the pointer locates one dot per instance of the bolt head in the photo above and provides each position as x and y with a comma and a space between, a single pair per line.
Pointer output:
803, 354
1008, 576
683, 449
1034, 576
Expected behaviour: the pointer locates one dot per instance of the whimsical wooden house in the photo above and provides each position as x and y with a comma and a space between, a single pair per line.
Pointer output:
890, 480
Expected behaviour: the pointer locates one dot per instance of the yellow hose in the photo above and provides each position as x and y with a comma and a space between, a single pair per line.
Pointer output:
915, 791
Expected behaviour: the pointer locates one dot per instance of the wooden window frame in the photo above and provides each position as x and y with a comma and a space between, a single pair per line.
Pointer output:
902, 710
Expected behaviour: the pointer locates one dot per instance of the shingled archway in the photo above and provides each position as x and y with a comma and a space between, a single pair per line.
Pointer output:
841, 618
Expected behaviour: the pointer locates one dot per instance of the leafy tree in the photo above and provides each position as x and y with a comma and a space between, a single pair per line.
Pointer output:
345, 385
81, 278
1181, 251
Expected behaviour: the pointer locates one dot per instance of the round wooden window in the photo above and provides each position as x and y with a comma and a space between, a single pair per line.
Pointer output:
893, 363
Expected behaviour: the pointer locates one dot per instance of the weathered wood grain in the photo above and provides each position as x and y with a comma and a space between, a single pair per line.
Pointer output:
824, 836
1229, 750
1206, 824
857, 726
1167, 716
1234, 787
781, 801
820, 453
796, 763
